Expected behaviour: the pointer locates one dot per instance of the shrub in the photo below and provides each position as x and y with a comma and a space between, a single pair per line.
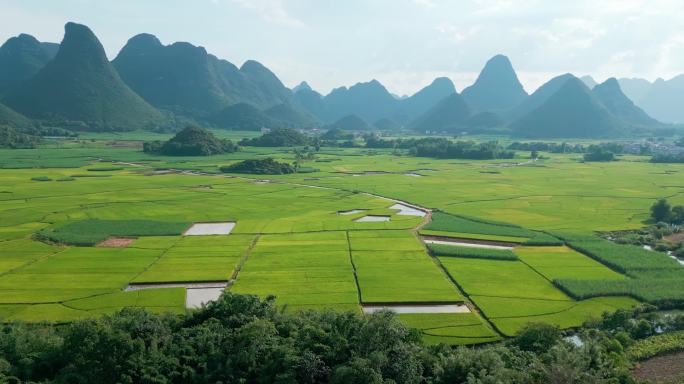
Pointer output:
537, 337
41, 178
598, 154
266, 166
278, 138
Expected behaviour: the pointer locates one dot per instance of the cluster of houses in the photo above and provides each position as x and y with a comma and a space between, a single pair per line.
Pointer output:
646, 147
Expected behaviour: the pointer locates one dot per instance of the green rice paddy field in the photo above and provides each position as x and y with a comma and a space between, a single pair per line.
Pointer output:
57, 203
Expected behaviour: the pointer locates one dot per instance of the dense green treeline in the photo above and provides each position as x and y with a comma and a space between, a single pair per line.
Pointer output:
11, 138
241, 339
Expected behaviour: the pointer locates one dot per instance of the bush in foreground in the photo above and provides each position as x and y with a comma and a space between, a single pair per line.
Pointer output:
242, 339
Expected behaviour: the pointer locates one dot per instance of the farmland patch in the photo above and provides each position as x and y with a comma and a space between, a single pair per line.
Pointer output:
393, 267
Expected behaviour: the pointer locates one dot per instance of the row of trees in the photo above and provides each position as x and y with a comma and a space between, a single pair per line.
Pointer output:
662, 211
241, 339
280, 138
667, 158
11, 138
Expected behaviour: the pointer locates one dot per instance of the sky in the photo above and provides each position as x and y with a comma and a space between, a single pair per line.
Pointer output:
402, 43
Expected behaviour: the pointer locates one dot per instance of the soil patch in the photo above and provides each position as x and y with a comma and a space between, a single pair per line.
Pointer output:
209, 229
417, 308
117, 242
372, 219
675, 238
661, 369
487, 244
413, 174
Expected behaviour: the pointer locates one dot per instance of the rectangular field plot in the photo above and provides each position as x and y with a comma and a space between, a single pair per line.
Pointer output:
565, 263
474, 236
197, 258
511, 315
305, 271
15, 253
500, 278
450, 328
512, 294
75, 273
450, 223
157, 300
393, 266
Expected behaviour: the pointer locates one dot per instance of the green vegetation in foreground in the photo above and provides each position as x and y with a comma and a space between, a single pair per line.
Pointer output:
266, 166
243, 339
94, 231
470, 252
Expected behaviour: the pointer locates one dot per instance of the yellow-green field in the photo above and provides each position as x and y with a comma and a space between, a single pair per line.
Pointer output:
290, 241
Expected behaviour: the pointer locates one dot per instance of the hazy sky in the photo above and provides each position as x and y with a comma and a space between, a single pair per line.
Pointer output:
402, 43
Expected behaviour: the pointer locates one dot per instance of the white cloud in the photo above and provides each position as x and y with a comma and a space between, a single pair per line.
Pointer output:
426, 3
272, 11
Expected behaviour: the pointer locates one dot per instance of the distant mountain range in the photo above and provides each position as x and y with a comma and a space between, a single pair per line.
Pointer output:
150, 85
371, 101
79, 85
659, 99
